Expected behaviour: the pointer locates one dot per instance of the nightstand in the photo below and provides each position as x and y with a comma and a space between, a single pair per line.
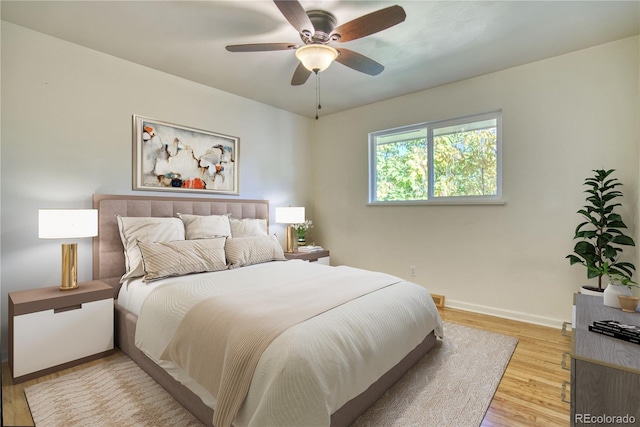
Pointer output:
51, 330
322, 257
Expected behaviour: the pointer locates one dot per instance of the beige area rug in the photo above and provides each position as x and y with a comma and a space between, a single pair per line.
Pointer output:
452, 386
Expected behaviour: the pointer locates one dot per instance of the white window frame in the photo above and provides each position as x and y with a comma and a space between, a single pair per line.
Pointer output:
451, 200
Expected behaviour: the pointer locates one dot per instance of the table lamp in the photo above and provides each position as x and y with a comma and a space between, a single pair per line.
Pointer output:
68, 224
290, 215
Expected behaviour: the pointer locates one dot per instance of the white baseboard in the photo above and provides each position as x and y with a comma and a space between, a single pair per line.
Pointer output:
506, 314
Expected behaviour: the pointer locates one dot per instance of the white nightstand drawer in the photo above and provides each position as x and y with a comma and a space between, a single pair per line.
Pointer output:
324, 260
52, 337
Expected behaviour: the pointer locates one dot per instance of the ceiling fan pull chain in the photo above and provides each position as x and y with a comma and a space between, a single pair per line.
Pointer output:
318, 106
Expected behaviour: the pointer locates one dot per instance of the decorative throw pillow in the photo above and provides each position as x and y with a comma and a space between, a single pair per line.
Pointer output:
180, 257
205, 227
248, 227
145, 229
242, 251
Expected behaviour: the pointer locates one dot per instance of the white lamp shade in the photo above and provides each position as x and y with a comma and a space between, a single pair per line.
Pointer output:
67, 223
316, 57
290, 215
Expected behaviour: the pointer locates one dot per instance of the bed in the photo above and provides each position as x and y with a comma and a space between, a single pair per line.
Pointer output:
321, 369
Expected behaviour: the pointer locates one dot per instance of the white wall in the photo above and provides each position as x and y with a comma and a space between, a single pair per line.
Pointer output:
562, 118
66, 134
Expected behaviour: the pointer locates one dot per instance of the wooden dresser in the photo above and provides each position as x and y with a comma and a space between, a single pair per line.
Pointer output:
605, 371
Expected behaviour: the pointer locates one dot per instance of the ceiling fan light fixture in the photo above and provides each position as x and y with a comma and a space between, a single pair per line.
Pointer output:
316, 57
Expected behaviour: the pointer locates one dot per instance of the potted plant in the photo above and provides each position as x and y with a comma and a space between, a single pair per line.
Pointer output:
301, 230
601, 235
619, 286
626, 301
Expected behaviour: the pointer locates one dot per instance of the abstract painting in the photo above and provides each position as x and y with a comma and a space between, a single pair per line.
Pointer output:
169, 157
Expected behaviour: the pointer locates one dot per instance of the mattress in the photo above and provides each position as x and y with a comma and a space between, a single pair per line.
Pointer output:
315, 367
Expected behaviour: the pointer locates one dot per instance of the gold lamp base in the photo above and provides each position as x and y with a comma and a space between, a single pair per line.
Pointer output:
291, 239
69, 267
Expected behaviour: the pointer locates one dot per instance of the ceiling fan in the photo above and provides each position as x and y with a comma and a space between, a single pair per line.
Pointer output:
317, 29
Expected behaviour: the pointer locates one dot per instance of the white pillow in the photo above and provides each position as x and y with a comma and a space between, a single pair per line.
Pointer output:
242, 251
205, 227
145, 229
180, 257
248, 227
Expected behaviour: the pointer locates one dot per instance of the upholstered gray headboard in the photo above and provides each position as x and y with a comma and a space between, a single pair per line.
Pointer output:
108, 252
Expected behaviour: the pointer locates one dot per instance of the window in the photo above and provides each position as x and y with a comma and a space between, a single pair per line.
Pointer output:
448, 161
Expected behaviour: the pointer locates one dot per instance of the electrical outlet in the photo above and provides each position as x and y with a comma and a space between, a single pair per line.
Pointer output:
412, 271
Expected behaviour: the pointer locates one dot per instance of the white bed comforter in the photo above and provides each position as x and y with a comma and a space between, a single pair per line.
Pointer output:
315, 367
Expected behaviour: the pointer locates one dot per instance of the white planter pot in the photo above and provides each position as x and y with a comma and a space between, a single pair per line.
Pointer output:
585, 291
611, 294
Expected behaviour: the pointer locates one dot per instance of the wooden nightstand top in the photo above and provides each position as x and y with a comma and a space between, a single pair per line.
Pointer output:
34, 300
306, 255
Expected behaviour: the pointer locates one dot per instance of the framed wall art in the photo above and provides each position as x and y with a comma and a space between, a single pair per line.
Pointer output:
169, 157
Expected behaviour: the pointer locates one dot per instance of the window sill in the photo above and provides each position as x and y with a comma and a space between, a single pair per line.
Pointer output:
442, 202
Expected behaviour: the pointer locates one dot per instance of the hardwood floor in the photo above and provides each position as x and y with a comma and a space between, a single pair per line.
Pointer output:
528, 395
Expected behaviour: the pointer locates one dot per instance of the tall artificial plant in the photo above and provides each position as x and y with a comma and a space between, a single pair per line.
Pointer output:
601, 236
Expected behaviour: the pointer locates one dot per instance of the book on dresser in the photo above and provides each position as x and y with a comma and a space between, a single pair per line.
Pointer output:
618, 330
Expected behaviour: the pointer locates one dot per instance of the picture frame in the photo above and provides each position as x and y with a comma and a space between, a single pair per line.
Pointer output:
171, 157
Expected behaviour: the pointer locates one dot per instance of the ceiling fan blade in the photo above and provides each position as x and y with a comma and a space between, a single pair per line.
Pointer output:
261, 47
359, 62
295, 14
370, 23
300, 76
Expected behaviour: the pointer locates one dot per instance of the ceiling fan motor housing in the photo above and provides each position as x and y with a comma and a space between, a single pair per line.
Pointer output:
323, 24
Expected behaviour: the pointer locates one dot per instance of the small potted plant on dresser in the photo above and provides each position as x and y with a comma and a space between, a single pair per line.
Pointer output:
619, 290
625, 299
600, 235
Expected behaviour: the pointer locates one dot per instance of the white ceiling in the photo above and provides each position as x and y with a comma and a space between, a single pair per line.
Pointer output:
440, 42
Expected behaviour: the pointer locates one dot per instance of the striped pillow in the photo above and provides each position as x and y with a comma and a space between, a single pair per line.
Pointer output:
248, 227
242, 251
166, 259
145, 229
205, 227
